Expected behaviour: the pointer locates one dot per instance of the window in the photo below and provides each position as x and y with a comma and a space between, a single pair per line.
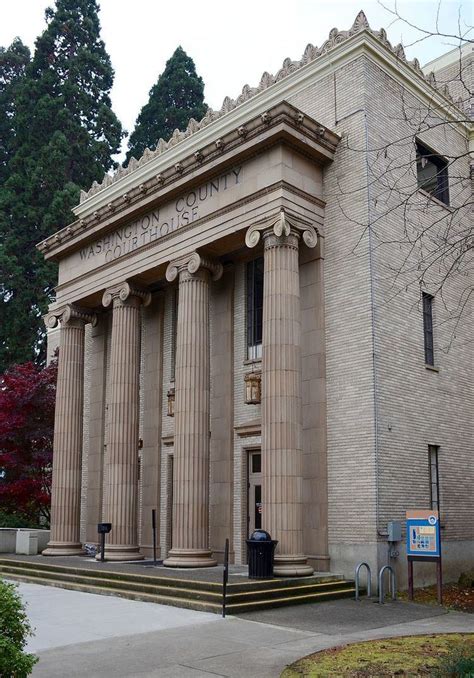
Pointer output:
432, 173
434, 477
254, 308
428, 328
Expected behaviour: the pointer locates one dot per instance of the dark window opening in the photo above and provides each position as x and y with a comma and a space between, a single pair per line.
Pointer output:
434, 477
428, 328
254, 308
432, 173
174, 329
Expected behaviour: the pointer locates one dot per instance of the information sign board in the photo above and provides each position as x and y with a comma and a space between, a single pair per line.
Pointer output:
423, 536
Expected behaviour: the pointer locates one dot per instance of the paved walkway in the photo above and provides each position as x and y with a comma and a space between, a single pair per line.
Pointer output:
81, 634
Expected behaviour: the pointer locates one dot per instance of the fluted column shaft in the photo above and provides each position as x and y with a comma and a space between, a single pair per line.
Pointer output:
282, 428
121, 491
281, 402
190, 546
67, 444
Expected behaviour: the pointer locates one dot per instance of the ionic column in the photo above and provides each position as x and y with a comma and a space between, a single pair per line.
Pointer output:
192, 409
281, 390
67, 445
121, 490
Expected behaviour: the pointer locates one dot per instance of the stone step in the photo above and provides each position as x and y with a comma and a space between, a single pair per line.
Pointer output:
282, 592
192, 594
252, 606
197, 592
167, 580
104, 581
175, 601
59, 570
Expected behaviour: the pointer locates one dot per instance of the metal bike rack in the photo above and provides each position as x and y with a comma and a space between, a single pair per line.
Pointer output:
369, 579
393, 582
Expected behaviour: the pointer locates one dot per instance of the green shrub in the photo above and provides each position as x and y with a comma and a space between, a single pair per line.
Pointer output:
16, 520
14, 631
458, 663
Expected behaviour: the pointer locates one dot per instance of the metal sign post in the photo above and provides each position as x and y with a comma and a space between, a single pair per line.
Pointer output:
153, 525
225, 576
103, 529
424, 545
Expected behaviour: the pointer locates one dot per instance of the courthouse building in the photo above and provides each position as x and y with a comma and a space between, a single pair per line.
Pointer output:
241, 345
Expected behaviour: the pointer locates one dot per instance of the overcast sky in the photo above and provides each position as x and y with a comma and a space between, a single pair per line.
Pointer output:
232, 43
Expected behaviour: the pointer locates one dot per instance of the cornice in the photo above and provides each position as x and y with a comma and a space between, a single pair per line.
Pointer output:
282, 122
200, 145
288, 76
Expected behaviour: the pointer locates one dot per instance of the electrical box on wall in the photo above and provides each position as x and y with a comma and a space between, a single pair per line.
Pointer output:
394, 529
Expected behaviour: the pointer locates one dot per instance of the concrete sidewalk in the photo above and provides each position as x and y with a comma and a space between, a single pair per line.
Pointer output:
186, 644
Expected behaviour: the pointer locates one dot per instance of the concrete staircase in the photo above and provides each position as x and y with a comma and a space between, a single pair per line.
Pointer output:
189, 593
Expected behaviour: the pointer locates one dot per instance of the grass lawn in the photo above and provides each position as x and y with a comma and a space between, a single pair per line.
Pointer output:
435, 656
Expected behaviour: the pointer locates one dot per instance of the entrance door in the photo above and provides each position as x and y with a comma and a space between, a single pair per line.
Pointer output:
254, 512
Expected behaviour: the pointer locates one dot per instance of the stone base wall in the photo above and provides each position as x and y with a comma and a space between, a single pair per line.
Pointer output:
456, 558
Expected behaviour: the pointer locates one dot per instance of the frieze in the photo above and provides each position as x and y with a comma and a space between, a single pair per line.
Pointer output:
181, 212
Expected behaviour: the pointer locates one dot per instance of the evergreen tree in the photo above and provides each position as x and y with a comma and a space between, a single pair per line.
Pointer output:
13, 62
65, 136
177, 96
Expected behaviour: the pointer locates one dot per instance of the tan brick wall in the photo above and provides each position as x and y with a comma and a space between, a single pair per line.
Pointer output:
459, 77
338, 101
417, 406
414, 407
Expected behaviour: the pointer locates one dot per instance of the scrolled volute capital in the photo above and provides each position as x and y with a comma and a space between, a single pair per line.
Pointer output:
70, 312
192, 263
282, 225
125, 291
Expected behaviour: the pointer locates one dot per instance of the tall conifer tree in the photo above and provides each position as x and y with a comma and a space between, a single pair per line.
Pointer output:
65, 136
177, 96
13, 62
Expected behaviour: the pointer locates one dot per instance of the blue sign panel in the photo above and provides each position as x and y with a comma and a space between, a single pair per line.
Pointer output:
423, 536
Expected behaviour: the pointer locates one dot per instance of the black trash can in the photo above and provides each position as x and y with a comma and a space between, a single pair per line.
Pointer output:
261, 548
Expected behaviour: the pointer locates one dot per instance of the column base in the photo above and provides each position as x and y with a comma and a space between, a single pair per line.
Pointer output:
291, 566
63, 548
189, 558
121, 552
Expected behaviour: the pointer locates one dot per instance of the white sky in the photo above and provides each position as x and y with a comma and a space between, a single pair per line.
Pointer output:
231, 43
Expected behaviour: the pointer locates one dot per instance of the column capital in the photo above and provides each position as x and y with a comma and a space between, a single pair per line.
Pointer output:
192, 263
70, 312
282, 225
124, 291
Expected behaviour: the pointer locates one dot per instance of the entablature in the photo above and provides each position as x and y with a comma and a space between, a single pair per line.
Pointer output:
282, 123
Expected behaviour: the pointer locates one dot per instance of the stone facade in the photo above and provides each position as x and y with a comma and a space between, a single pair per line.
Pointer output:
297, 171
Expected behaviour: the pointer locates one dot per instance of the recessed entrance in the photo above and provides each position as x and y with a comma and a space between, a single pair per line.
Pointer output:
254, 497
